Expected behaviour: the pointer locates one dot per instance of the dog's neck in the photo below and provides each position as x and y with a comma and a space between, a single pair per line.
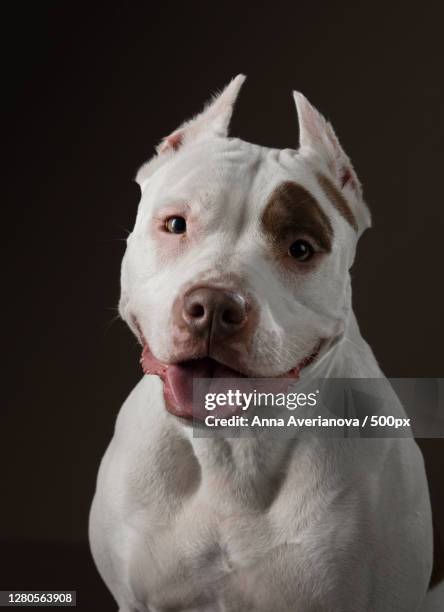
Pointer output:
248, 470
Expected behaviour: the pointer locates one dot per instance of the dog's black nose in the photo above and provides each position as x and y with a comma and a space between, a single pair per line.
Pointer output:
217, 311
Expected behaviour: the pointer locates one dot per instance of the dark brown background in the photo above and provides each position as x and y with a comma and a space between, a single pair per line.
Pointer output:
88, 94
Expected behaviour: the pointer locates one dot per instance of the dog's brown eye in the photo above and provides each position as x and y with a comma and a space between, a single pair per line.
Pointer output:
301, 250
176, 225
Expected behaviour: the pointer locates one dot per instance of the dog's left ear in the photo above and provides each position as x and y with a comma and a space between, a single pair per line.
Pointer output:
318, 139
213, 120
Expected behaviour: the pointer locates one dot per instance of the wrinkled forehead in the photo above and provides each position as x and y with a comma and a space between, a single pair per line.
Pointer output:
232, 169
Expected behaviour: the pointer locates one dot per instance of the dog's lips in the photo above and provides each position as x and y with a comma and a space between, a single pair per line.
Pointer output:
178, 378
150, 364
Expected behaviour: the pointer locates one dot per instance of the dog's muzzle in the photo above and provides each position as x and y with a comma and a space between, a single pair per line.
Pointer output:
212, 334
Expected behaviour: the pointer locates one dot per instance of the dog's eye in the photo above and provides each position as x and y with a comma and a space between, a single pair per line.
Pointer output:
176, 225
301, 250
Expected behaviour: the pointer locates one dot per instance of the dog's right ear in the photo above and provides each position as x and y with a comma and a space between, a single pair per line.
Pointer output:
213, 120
318, 139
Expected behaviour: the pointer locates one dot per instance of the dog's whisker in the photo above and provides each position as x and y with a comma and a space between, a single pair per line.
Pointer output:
113, 240
109, 324
125, 229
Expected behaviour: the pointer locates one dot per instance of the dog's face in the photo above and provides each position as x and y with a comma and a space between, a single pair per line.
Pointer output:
238, 262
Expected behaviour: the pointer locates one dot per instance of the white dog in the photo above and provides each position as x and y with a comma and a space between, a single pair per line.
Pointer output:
239, 265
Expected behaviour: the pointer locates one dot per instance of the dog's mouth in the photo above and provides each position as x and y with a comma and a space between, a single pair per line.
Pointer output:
178, 379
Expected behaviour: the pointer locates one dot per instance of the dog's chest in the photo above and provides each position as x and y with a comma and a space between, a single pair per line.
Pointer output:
201, 553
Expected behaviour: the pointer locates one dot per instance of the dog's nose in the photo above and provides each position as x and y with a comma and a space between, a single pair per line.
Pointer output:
218, 311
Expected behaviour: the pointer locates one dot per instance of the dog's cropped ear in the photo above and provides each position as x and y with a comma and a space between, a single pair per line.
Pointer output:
318, 139
213, 120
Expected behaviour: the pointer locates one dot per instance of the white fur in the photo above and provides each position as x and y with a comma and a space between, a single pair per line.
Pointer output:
181, 523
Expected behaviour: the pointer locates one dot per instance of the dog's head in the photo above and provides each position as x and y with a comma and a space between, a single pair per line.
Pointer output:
239, 260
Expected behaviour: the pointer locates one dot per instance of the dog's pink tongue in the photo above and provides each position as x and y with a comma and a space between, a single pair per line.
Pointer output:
178, 386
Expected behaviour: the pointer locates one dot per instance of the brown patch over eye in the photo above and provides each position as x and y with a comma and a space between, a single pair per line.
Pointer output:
291, 211
337, 199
